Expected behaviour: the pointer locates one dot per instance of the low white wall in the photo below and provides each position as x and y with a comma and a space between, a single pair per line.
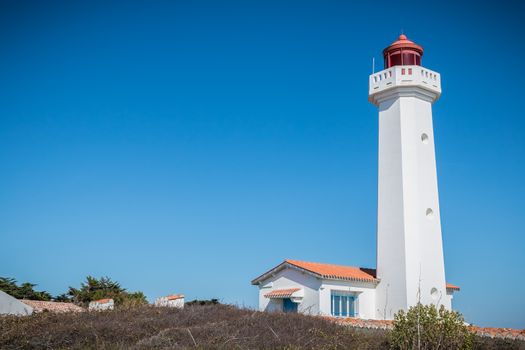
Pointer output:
447, 300
166, 302
96, 306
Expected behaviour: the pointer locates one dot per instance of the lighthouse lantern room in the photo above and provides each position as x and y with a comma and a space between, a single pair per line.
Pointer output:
403, 52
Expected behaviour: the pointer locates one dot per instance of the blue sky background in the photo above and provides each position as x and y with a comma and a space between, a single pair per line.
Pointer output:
190, 146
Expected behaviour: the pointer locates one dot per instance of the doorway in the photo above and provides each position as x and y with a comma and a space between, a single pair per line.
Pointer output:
289, 305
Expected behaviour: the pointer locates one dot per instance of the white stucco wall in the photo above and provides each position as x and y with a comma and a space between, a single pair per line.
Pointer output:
365, 292
448, 298
291, 278
96, 306
166, 302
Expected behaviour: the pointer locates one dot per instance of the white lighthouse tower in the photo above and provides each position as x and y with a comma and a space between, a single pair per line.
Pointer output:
410, 262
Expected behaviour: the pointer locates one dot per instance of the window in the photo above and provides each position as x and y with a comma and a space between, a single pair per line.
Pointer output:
343, 304
395, 60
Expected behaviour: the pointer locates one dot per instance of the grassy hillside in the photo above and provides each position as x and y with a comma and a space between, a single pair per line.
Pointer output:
206, 326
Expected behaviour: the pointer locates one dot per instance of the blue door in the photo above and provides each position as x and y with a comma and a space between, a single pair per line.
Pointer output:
289, 305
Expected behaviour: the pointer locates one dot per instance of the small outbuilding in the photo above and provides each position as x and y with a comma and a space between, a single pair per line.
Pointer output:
174, 300
101, 304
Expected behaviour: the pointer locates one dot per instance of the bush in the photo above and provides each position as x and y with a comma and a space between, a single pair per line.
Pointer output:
426, 327
203, 302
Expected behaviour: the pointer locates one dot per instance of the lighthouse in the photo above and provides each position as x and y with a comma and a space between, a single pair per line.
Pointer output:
410, 263
410, 267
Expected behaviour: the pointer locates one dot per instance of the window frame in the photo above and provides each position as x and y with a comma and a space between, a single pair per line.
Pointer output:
342, 298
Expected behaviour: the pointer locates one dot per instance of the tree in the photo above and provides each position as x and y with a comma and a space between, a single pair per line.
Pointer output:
134, 299
64, 298
95, 289
24, 291
426, 327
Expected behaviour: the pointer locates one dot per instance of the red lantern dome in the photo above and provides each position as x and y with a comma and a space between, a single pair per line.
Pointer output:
403, 52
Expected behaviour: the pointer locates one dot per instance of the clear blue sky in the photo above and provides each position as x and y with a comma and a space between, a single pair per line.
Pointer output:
190, 146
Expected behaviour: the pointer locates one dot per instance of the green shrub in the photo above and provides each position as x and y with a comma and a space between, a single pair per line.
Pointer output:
426, 327
105, 287
23, 291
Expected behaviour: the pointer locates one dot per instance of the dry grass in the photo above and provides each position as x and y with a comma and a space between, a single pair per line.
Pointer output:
197, 326
207, 326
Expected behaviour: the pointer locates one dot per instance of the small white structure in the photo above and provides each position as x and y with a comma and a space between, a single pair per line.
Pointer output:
12, 306
174, 300
101, 304
410, 263
318, 289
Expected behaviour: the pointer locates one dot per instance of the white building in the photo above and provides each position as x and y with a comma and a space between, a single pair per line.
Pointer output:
174, 300
101, 304
410, 264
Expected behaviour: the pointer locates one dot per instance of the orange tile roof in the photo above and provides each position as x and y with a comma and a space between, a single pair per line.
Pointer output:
452, 287
175, 296
331, 271
52, 306
322, 270
505, 333
103, 301
334, 271
281, 293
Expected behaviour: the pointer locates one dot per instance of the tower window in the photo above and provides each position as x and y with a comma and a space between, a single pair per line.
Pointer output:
434, 293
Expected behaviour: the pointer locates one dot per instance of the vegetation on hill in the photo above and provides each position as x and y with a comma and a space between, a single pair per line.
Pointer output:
104, 287
199, 326
209, 326
202, 302
91, 289
23, 291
